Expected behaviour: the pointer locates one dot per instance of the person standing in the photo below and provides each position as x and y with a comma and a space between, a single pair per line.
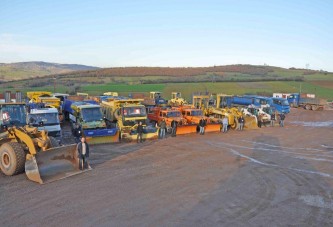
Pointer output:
225, 123
241, 123
173, 128
162, 128
140, 132
83, 154
202, 124
259, 120
77, 132
273, 119
282, 117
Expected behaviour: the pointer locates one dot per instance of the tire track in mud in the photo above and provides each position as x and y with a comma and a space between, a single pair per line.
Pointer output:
300, 178
305, 185
257, 203
237, 153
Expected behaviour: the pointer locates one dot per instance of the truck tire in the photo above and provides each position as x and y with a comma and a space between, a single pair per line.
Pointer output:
54, 142
12, 158
314, 107
308, 107
120, 139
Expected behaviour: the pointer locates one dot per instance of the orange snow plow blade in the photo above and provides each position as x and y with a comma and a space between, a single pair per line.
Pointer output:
213, 127
186, 129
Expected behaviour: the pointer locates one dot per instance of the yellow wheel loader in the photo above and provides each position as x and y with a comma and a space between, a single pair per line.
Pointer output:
176, 99
41, 156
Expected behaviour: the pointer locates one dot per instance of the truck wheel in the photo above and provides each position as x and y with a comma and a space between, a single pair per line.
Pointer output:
54, 142
12, 158
120, 140
308, 107
314, 107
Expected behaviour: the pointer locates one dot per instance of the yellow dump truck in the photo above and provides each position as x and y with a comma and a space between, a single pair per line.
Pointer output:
126, 115
47, 99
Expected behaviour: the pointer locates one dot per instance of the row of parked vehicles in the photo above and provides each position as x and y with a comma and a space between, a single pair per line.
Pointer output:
32, 126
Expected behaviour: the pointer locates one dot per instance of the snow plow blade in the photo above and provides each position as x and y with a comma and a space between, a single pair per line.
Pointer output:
53, 164
213, 127
186, 129
101, 136
250, 122
148, 133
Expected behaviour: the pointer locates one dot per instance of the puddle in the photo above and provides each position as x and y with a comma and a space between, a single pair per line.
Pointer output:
316, 201
314, 123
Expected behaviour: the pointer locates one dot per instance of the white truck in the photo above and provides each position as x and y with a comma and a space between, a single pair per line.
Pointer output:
46, 119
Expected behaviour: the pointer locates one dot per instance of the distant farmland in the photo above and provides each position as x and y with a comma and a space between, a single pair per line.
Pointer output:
234, 79
236, 88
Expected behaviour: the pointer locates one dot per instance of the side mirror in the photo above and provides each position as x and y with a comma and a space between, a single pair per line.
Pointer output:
4, 127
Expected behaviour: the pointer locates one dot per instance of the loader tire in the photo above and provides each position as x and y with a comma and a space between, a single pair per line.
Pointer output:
54, 142
12, 158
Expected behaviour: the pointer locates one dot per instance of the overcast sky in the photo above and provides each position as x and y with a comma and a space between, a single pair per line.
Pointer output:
293, 33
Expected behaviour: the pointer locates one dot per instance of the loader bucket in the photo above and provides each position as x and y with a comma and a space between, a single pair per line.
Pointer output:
213, 127
53, 164
186, 129
101, 136
250, 122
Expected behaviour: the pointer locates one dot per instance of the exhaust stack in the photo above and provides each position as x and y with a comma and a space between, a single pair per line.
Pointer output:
18, 96
7, 97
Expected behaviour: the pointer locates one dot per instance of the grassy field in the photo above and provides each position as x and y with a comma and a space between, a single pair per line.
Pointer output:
323, 90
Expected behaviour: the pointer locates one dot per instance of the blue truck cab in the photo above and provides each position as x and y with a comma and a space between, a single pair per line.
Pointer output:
280, 105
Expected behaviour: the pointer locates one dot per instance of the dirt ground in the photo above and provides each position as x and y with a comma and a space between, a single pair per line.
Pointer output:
266, 177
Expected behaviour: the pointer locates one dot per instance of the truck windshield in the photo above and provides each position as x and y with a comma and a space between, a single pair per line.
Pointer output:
46, 118
173, 114
253, 111
134, 111
267, 110
13, 115
91, 114
281, 102
196, 113
285, 103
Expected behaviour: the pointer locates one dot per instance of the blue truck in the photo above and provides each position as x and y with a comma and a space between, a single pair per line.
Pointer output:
280, 105
300, 100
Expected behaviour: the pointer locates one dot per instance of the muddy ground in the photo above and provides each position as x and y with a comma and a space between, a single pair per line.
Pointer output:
264, 177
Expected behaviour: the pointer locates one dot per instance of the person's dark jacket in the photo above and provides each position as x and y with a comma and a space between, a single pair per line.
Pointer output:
202, 123
77, 132
140, 129
173, 124
241, 120
79, 149
163, 124
273, 117
282, 117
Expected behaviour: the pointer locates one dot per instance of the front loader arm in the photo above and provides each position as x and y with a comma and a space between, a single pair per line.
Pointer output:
24, 137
